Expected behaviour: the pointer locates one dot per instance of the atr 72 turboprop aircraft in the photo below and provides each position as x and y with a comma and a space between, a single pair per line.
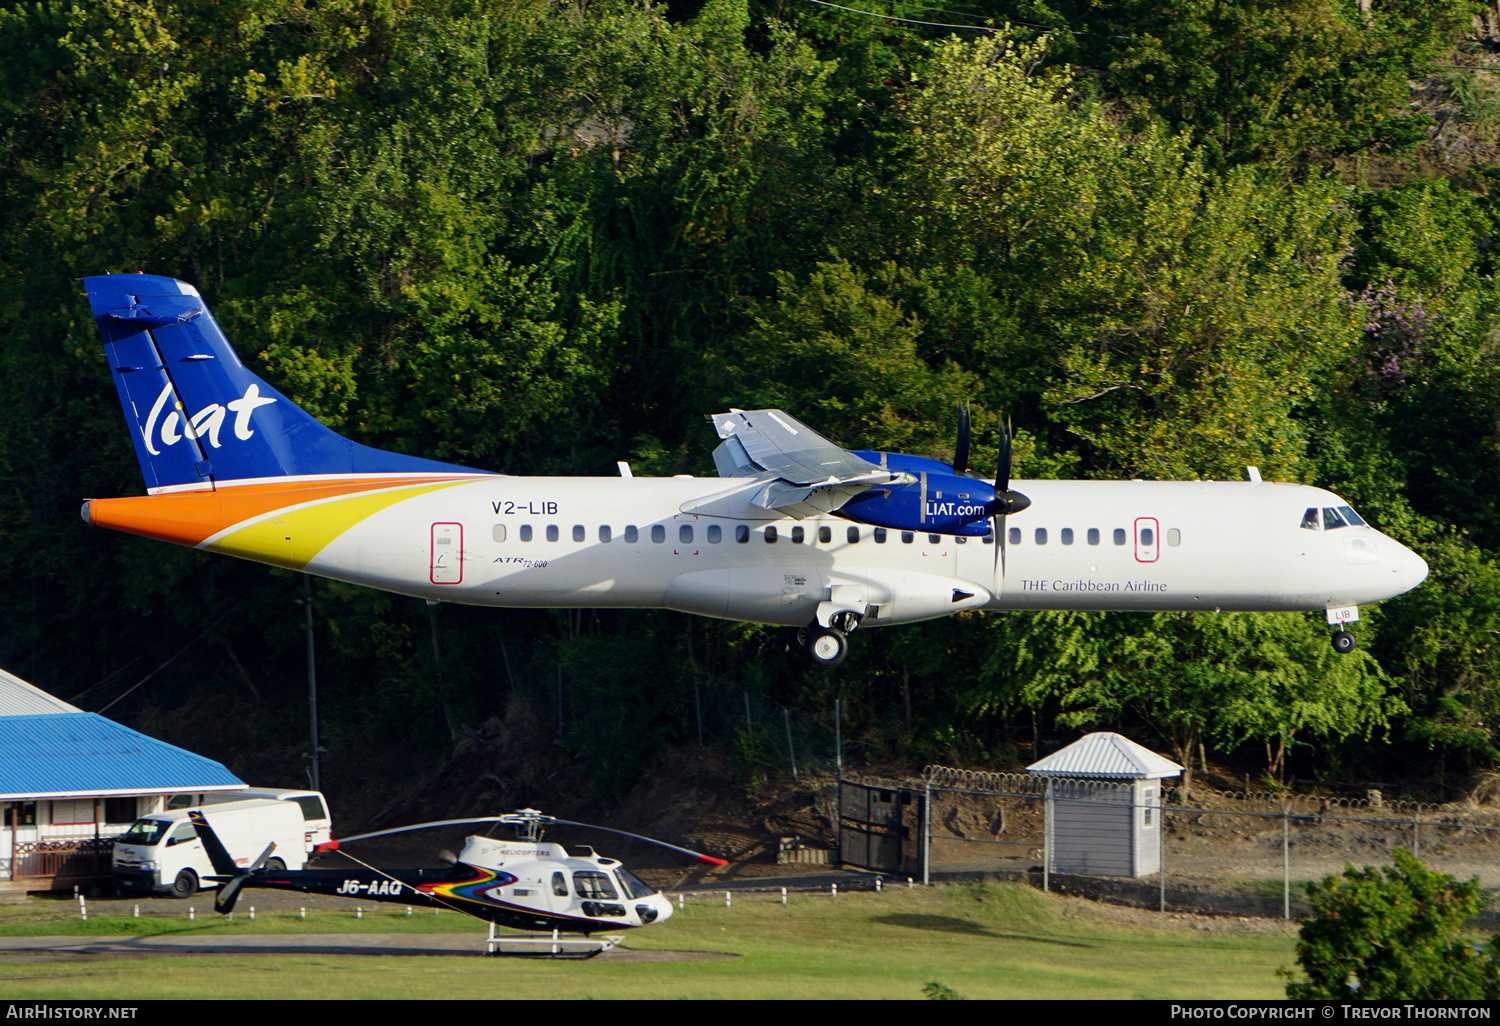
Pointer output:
795, 531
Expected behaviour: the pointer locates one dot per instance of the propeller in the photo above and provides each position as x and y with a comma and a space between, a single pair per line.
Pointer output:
961, 447
1006, 501
529, 821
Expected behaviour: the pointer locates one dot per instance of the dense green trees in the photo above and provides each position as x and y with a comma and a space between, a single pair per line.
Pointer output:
544, 236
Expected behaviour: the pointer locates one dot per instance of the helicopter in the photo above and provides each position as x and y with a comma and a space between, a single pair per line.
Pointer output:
520, 884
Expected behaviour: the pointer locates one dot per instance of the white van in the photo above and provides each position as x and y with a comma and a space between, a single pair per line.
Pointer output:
161, 852
317, 824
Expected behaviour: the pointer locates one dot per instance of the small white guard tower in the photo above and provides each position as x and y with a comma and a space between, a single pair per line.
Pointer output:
1104, 806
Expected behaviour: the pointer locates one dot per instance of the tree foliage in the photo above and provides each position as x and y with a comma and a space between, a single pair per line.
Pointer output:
1393, 936
544, 236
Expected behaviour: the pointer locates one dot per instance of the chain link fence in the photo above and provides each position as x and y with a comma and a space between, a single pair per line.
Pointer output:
1218, 852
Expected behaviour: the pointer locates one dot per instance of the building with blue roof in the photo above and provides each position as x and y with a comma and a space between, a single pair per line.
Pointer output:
70, 781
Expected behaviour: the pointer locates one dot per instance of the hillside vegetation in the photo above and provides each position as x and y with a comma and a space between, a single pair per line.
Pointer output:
1168, 238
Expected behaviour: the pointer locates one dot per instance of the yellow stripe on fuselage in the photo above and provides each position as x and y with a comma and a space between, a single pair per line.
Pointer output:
292, 537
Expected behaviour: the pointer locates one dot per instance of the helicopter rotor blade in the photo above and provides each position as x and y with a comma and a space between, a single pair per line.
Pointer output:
334, 845
709, 859
520, 819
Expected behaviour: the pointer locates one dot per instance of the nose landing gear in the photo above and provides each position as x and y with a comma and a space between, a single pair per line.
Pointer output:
1343, 642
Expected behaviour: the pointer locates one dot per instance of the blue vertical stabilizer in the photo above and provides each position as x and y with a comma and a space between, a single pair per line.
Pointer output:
197, 414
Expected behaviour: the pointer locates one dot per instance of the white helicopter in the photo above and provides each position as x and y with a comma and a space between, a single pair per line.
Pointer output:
522, 884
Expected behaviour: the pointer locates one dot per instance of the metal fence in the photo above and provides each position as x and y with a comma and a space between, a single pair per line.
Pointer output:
1237, 853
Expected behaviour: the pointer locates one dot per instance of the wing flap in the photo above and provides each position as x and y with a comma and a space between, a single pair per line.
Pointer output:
804, 474
770, 440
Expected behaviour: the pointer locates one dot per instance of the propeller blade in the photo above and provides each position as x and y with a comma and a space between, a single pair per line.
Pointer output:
649, 840
961, 447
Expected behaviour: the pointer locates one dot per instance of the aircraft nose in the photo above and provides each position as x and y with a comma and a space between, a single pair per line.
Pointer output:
1413, 569
663, 905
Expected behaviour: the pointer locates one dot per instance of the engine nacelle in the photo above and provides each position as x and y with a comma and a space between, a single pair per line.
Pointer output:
938, 501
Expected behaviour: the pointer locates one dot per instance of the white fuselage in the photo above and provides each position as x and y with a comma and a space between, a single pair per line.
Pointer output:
697, 545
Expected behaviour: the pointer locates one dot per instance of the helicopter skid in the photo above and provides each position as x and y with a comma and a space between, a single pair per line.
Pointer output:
540, 945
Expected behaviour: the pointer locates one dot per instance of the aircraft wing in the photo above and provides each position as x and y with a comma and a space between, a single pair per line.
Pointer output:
804, 474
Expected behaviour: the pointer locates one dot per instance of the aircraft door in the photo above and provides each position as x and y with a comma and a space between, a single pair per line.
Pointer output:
1147, 539
446, 554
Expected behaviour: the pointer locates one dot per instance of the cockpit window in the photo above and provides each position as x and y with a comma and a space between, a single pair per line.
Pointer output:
1352, 518
1310, 520
633, 886
1331, 519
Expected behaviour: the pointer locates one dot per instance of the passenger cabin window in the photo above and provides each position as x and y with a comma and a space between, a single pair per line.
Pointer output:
1119, 536
605, 534
685, 533
1174, 537
825, 535
934, 539
526, 532
1015, 536
741, 533
770, 536
498, 533
1067, 536
907, 537
880, 536
552, 532
632, 534
1041, 536
958, 539
1148, 536
715, 534
579, 533
658, 533
798, 535
852, 534
1093, 536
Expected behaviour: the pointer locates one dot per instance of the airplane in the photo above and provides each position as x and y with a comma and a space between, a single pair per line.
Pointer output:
522, 884
795, 531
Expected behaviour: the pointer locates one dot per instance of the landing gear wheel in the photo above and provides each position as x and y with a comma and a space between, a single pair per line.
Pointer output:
1343, 642
186, 884
826, 646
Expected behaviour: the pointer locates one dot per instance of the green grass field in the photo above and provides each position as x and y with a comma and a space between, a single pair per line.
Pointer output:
979, 941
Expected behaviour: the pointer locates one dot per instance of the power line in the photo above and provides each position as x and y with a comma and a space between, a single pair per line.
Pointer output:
909, 21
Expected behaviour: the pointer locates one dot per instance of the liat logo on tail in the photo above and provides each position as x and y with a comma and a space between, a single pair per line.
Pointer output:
207, 422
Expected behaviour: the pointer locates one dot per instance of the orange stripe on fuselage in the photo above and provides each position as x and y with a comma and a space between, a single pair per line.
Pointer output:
189, 518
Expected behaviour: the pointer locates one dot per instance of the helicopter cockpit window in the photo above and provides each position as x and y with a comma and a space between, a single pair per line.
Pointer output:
593, 885
1310, 520
633, 885
560, 885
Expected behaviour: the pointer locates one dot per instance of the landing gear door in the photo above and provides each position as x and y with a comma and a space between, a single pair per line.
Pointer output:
1147, 539
446, 561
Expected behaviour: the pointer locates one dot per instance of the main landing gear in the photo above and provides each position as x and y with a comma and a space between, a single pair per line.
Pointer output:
826, 646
